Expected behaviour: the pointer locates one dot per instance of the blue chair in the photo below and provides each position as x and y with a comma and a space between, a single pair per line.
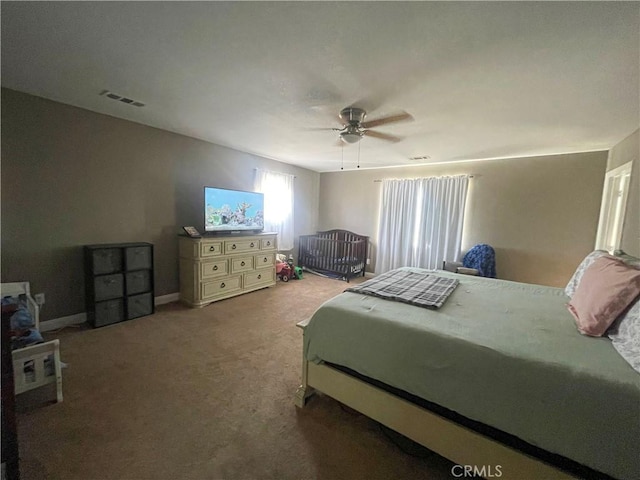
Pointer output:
480, 261
481, 257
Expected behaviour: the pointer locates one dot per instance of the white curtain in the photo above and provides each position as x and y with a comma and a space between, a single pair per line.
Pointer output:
278, 205
420, 222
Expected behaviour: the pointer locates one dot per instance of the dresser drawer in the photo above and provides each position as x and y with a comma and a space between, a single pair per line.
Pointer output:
268, 243
111, 311
221, 287
214, 268
210, 249
106, 260
139, 305
138, 258
241, 245
138, 282
265, 260
106, 287
241, 264
264, 276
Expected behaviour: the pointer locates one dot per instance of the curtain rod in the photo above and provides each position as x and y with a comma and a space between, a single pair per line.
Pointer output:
380, 181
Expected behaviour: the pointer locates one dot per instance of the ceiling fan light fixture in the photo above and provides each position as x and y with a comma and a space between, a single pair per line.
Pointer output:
351, 137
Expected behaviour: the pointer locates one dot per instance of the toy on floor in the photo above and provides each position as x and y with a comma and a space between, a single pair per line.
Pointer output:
285, 270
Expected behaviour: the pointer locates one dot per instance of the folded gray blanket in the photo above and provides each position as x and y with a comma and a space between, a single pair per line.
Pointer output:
415, 288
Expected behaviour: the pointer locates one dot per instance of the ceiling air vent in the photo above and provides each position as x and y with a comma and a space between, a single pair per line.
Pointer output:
120, 98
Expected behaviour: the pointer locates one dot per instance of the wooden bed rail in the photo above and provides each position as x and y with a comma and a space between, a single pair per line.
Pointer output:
445, 437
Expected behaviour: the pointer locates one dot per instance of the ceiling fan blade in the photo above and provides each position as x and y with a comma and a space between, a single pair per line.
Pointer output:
398, 117
316, 129
382, 136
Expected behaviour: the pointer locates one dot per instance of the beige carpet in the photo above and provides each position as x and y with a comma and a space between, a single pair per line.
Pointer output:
206, 394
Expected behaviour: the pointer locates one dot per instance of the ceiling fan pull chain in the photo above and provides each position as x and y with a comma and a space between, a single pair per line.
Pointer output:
358, 154
342, 151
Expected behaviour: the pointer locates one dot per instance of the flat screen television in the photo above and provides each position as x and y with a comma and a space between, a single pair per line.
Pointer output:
233, 210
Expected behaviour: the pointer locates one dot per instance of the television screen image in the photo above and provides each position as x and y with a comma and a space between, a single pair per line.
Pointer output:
232, 210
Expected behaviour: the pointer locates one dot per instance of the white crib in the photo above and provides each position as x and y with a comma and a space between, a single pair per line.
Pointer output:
36, 365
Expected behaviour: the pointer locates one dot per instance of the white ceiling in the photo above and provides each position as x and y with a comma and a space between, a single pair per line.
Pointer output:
481, 79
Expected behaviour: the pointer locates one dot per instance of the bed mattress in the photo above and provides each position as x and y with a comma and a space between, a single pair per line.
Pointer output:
502, 353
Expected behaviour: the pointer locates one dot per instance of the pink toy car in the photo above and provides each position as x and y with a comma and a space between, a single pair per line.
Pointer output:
285, 271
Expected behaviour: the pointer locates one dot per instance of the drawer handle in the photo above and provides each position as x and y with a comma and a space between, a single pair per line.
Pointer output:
252, 245
268, 244
259, 276
242, 264
265, 260
215, 267
233, 247
212, 248
222, 285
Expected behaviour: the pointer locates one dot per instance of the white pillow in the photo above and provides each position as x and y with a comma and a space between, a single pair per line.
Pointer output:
625, 335
625, 332
571, 287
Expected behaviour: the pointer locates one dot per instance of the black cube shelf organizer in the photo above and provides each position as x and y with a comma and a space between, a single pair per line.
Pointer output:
118, 282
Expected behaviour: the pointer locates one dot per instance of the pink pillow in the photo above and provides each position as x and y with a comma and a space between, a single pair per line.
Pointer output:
607, 287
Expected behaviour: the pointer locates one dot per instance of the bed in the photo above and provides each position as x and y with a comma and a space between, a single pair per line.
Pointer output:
498, 376
36, 365
338, 253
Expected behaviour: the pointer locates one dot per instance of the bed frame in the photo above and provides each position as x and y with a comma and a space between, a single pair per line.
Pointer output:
29, 363
334, 252
453, 441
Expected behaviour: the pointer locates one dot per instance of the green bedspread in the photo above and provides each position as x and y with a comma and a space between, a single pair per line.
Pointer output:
503, 353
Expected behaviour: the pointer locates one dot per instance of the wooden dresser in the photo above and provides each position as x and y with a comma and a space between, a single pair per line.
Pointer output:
215, 268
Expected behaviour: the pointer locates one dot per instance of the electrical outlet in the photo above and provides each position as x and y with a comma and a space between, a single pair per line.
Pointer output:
368, 261
39, 298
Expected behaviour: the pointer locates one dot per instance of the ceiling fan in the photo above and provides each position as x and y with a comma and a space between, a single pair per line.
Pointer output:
354, 127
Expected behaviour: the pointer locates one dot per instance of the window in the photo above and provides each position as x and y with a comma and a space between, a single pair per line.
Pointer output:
420, 222
278, 205
612, 210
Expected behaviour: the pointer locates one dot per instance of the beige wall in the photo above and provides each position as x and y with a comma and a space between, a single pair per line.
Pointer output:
71, 177
628, 151
540, 214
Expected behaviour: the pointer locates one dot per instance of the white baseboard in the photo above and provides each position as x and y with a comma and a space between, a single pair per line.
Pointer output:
164, 299
58, 323
369, 274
